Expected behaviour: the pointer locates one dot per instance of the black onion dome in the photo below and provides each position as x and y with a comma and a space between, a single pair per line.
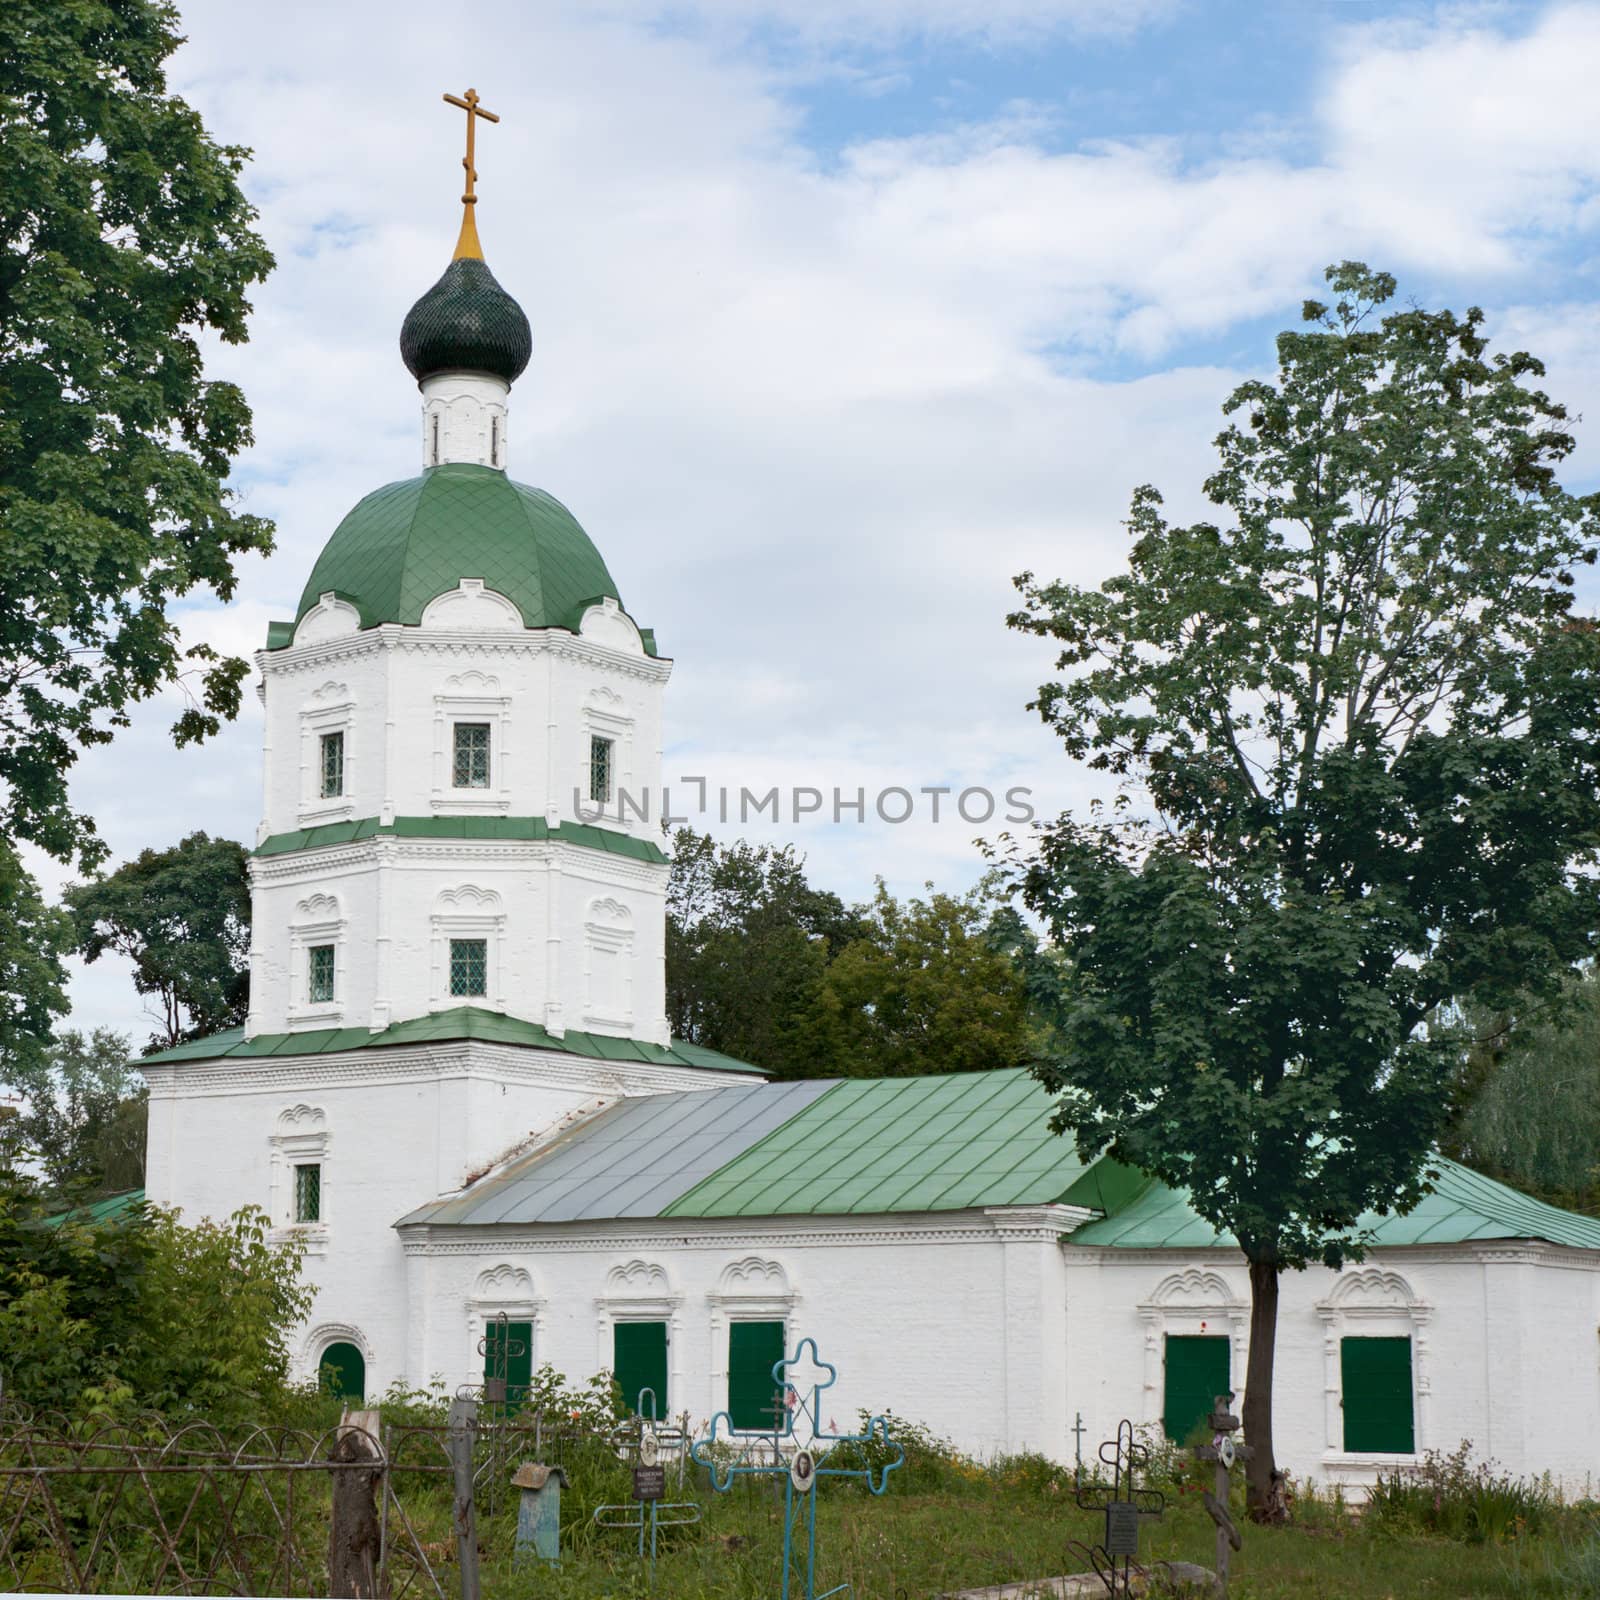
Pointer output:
466, 323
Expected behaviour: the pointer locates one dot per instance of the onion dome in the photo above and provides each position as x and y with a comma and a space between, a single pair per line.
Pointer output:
466, 323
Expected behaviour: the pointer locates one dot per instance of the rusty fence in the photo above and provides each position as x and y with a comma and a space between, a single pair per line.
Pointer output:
144, 1505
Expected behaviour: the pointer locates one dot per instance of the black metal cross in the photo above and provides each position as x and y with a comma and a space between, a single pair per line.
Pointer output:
498, 1347
1114, 1559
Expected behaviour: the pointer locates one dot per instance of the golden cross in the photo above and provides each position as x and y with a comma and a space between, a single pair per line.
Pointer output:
467, 244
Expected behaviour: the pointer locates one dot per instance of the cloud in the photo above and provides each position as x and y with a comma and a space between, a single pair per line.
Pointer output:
817, 412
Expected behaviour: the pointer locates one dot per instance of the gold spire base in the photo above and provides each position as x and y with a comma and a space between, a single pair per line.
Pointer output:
467, 246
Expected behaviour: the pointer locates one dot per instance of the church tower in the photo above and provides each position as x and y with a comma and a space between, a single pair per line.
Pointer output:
463, 735
458, 883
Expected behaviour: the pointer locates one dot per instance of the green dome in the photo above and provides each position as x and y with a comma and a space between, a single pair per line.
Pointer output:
409, 542
466, 323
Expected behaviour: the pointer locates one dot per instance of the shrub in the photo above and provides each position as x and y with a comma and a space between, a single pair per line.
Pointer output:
1460, 1498
931, 1464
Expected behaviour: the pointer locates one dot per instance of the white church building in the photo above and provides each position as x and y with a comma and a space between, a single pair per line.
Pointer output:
457, 1090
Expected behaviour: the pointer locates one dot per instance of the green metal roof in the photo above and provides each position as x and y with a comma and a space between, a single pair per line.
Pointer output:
460, 1022
1463, 1206
409, 542
941, 1143
111, 1209
581, 833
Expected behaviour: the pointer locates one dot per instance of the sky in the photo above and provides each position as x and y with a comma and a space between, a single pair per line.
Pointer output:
845, 312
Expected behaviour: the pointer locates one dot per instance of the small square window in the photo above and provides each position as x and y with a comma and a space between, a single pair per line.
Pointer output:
469, 966
600, 770
319, 987
308, 1193
332, 765
472, 755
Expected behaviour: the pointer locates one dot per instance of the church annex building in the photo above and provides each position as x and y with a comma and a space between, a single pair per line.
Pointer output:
457, 1088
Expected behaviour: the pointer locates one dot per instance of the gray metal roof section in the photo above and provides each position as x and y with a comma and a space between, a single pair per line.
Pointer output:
631, 1160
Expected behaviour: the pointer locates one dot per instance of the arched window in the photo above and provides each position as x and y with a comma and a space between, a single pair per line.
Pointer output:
342, 1371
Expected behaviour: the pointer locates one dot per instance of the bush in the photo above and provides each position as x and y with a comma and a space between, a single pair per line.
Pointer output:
932, 1465
1460, 1498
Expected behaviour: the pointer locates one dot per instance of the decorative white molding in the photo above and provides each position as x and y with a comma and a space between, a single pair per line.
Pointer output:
504, 1288
471, 605
299, 1137
330, 618
608, 944
302, 1119
318, 919
639, 1291
1193, 1301
467, 911
1374, 1301
317, 1339
479, 704
608, 624
505, 1281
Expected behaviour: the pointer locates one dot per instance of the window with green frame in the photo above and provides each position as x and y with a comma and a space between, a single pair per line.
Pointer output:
600, 770
469, 966
754, 1348
639, 1361
1376, 1393
472, 755
319, 977
1196, 1373
308, 1192
342, 1370
332, 765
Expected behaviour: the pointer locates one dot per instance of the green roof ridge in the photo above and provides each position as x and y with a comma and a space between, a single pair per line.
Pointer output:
458, 1022
582, 834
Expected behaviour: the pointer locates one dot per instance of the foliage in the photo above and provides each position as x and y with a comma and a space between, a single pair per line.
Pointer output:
748, 940
182, 917
107, 1317
932, 1464
922, 990
84, 1124
1528, 1103
1366, 725
124, 240
1459, 1498
33, 939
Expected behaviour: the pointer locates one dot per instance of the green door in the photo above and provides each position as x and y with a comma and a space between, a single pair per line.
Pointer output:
639, 1361
754, 1348
518, 1361
1197, 1372
1375, 1382
343, 1372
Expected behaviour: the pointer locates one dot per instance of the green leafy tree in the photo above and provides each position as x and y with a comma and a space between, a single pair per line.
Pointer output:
748, 940
33, 939
182, 917
124, 240
1358, 727
84, 1115
1527, 1107
924, 989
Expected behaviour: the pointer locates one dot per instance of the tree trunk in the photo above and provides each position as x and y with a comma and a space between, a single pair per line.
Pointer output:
1261, 1467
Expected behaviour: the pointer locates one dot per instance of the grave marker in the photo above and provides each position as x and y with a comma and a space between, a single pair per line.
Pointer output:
1114, 1559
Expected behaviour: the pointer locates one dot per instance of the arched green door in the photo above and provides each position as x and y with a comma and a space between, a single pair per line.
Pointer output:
343, 1371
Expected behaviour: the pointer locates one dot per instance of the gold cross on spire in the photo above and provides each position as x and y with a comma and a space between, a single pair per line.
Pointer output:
467, 245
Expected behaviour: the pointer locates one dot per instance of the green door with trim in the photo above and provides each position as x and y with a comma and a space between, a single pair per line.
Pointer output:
1197, 1371
639, 1361
518, 1361
342, 1371
1375, 1391
754, 1348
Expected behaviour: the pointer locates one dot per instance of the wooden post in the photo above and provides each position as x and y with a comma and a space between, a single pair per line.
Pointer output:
1223, 1452
355, 1542
463, 1423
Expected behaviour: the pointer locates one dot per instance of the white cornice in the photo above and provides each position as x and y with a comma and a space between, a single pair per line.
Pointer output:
315, 862
1487, 1251
298, 658
700, 1233
523, 1065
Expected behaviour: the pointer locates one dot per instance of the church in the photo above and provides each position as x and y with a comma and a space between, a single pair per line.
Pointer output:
457, 1091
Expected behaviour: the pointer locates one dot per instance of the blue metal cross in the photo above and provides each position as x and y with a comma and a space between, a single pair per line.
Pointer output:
803, 1450
633, 1435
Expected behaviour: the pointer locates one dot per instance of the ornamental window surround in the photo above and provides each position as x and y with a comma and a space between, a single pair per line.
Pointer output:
607, 754
298, 1161
327, 756
472, 754
465, 964
318, 944
1373, 1302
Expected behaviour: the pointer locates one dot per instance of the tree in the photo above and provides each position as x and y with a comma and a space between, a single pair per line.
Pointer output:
924, 989
748, 940
124, 239
33, 939
182, 917
1527, 1109
83, 1123
1363, 726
